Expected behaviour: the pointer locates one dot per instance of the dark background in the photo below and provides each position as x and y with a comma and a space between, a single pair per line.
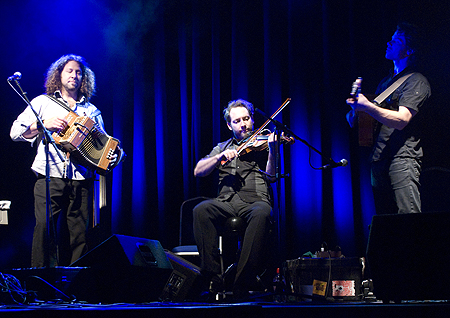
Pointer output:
166, 69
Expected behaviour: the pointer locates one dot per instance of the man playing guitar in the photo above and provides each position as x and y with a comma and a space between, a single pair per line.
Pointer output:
397, 153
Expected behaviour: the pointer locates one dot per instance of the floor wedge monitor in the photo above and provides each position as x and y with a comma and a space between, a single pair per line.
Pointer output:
122, 269
407, 256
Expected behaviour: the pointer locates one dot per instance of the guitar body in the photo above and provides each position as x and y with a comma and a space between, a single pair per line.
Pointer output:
367, 125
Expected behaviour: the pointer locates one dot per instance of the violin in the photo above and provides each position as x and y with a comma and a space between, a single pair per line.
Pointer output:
258, 143
261, 142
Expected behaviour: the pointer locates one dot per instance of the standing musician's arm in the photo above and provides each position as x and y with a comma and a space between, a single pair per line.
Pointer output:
32, 131
391, 118
52, 124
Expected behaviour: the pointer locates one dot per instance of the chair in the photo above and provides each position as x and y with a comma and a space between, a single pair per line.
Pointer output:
187, 248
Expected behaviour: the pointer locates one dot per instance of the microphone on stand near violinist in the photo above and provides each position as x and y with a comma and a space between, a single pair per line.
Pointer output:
334, 164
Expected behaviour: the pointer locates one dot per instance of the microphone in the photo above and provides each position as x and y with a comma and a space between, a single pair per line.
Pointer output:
341, 163
16, 76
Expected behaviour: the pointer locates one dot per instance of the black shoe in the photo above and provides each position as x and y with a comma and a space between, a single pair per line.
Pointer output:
216, 285
215, 290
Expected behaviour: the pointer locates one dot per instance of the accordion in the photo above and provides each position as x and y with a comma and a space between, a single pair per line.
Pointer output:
88, 144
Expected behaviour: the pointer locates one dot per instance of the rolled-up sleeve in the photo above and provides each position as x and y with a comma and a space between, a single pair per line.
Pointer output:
21, 125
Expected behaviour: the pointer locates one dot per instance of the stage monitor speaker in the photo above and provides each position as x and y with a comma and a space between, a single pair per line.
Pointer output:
408, 258
122, 269
185, 283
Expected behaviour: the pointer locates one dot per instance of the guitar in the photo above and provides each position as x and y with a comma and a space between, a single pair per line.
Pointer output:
367, 126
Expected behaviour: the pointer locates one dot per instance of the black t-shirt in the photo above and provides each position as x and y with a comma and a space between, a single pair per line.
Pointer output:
243, 175
412, 94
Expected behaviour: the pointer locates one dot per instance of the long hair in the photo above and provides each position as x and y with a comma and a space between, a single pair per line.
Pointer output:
53, 80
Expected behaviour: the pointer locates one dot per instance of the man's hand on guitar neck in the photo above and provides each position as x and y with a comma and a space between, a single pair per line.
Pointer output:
354, 93
358, 103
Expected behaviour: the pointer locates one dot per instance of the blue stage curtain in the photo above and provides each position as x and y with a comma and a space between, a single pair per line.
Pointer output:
195, 58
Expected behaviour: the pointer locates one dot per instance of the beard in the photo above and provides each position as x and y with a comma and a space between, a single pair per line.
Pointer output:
71, 87
247, 134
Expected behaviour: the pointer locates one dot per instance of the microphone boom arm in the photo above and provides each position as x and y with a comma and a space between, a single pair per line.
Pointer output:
286, 130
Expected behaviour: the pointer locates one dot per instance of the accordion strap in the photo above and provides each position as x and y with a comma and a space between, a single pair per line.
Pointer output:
60, 103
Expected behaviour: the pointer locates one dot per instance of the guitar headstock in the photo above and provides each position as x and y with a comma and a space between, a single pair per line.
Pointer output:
356, 88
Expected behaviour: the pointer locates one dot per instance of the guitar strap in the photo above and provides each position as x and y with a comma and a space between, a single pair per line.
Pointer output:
388, 91
368, 125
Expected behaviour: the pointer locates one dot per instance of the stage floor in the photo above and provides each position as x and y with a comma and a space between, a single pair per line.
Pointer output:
232, 310
81, 282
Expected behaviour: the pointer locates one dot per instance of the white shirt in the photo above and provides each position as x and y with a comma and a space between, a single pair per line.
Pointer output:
46, 108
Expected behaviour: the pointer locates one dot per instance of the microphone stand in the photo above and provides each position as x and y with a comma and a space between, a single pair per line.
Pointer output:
279, 129
48, 139
278, 175
281, 223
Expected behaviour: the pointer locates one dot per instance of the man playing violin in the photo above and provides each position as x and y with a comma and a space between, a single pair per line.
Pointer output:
244, 191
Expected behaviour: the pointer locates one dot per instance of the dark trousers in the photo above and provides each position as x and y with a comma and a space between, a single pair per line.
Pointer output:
209, 217
396, 186
71, 202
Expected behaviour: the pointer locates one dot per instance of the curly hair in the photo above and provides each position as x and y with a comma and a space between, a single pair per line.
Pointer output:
237, 103
53, 80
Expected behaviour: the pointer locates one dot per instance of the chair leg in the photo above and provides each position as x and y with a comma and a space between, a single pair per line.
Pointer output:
228, 270
234, 265
221, 254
